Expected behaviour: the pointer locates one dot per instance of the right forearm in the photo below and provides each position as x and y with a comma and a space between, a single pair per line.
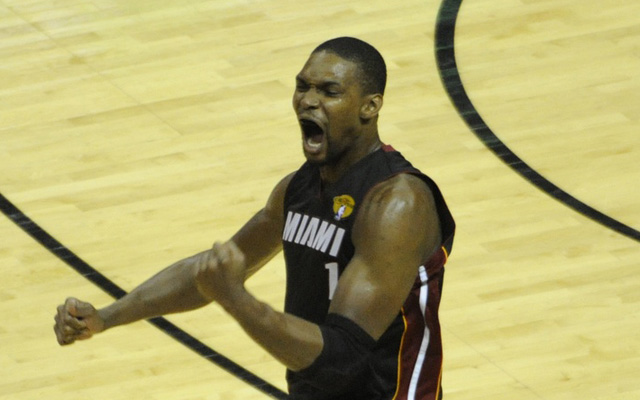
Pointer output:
172, 290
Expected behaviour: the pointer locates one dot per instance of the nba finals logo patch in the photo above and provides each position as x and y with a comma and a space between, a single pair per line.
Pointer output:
343, 206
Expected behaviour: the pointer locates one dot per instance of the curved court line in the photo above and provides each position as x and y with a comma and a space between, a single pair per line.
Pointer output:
50, 243
446, 60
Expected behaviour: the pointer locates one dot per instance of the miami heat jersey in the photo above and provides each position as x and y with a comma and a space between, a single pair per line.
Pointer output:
407, 359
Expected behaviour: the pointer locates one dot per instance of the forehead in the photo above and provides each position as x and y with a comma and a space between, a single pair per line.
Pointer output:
328, 67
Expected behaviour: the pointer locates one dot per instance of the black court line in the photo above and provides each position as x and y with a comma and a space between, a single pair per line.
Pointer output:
90, 273
446, 60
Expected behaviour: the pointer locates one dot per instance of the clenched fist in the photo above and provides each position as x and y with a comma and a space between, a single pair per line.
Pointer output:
221, 272
76, 320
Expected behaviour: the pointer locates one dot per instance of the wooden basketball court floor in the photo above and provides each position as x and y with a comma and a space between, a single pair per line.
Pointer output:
137, 133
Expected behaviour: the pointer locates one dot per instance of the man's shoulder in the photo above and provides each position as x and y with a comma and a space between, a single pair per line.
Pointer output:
399, 186
401, 197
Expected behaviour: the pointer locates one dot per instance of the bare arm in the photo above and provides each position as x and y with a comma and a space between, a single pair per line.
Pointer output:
260, 239
396, 231
172, 290
176, 288
294, 341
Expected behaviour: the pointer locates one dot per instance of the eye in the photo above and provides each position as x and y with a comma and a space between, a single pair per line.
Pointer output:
301, 86
332, 92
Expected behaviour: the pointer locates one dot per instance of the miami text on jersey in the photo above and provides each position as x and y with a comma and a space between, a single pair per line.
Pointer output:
313, 232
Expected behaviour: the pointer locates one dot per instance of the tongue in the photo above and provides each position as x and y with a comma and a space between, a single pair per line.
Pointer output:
315, 138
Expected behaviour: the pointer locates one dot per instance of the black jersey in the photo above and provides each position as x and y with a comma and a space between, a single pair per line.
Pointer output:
317, 244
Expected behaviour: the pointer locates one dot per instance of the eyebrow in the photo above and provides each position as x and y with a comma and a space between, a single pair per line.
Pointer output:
323, 84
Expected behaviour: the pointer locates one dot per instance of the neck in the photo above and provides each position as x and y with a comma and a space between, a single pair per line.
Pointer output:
330, 173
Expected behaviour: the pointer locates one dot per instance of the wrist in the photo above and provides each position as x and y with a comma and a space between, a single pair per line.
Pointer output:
238, 301
115, 314
106, 316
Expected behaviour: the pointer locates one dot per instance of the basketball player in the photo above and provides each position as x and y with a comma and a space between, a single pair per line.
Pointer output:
365, 237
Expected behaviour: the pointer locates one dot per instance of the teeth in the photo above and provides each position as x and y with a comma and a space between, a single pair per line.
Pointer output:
312, 144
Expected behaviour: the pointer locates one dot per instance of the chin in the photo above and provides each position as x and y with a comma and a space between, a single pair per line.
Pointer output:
315, 159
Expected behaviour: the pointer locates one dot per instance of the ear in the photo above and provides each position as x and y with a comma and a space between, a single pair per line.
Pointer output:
371, 106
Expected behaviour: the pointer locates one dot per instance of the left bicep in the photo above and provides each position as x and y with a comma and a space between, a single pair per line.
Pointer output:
259, 238
396, 231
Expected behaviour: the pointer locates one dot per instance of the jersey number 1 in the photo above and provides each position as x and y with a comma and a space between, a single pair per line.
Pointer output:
333, 277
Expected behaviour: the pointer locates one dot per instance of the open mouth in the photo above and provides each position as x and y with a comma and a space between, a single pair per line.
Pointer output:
313, 134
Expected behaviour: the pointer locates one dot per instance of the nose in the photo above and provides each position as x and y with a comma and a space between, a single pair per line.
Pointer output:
309, 99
